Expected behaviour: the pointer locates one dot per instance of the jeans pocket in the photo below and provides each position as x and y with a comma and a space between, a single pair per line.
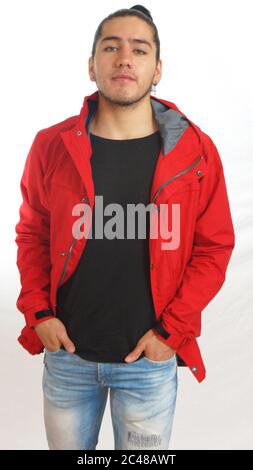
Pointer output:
165, 361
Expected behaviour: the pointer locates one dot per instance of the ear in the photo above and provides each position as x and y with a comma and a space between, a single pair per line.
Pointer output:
158, 72
91, 68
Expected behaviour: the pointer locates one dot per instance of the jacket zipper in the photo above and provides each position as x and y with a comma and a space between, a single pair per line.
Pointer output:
70, 249
176, 176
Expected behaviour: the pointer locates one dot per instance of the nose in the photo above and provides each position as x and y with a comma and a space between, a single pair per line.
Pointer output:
124, 57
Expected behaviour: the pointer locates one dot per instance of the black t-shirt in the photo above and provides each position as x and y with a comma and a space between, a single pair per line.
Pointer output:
106, 304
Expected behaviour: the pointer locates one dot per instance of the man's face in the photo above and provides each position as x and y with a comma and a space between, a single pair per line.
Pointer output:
124, 56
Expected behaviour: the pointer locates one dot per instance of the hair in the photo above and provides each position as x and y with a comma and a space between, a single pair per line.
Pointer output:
137, 10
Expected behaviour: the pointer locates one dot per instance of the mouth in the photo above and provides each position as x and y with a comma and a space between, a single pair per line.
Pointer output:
123, 79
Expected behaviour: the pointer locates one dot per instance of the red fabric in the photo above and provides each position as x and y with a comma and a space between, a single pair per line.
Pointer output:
57, 175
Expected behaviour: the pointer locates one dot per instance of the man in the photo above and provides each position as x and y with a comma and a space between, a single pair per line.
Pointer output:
112, 310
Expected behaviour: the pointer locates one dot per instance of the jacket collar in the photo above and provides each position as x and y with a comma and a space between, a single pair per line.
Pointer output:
172, 122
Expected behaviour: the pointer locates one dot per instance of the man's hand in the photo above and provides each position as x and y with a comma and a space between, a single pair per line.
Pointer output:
154, 349
53, 334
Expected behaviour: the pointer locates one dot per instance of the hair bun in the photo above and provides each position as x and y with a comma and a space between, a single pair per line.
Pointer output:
142, 10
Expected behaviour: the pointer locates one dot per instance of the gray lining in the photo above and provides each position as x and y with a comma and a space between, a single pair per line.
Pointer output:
172, 124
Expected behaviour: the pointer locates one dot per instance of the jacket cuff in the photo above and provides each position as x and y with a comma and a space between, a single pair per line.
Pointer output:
38, 317
170, 338
159, 328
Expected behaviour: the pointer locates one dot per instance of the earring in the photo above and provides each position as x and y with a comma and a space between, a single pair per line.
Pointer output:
154, 90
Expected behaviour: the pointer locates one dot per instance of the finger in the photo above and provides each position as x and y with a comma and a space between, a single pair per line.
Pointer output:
67, 343
52, 348
134, 354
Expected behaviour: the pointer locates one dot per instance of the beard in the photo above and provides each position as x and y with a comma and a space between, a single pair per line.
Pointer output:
124, 101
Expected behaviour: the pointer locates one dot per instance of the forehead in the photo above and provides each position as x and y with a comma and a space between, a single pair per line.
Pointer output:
127, 26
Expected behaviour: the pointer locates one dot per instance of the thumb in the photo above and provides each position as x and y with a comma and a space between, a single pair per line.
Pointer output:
67, 343
133, 355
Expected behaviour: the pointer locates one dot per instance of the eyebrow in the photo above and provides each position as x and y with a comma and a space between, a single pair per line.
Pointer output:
118, 38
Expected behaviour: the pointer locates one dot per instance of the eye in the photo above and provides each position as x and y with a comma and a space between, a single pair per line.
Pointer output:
114, 47
109, 47
140, 50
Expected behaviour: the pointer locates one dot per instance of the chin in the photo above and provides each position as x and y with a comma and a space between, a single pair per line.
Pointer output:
119, 97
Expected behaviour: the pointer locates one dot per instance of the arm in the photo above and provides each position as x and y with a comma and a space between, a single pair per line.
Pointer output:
204, 274
33, 241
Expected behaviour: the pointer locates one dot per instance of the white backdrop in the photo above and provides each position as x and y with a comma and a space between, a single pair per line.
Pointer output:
206, 49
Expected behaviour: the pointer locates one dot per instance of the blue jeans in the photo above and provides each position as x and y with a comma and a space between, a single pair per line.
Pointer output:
142, 401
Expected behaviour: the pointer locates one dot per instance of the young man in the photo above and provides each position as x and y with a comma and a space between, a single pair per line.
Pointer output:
114, 310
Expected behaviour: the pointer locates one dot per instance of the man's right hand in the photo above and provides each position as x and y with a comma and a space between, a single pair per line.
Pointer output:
53, 334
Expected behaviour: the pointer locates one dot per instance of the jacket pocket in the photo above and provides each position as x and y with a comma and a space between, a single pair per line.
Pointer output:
188, 177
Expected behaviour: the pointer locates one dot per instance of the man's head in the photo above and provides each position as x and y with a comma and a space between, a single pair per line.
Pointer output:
126, 43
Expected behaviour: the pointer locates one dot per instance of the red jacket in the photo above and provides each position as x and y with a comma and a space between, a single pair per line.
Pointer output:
57, 176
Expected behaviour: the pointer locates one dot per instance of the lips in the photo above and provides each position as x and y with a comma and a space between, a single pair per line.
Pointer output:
123, 77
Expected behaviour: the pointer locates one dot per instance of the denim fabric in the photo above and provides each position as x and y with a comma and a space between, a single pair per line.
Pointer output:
142, 401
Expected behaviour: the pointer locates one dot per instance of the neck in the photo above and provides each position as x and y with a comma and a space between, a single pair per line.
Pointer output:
123, 122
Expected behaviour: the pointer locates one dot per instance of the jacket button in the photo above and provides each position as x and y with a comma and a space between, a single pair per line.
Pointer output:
199, 173
63, 253
194, 369
84, 199
151, 265
79, 132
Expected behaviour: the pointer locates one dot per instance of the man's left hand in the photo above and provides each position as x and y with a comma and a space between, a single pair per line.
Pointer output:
153, 348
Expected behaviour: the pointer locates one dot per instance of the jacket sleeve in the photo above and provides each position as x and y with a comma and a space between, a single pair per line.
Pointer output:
213, 242
33, 241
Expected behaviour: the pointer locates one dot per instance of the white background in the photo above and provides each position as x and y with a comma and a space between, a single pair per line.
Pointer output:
206, 49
